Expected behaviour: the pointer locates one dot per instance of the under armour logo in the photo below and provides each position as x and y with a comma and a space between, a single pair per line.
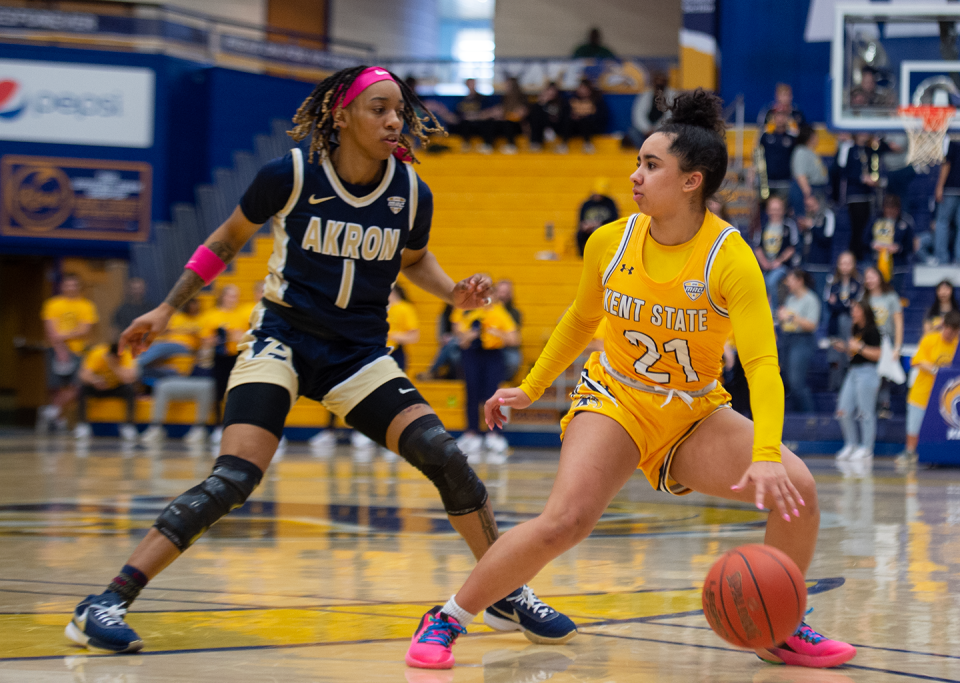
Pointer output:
623, 268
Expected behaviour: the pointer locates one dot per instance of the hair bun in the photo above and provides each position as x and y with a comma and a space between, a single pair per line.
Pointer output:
698, 108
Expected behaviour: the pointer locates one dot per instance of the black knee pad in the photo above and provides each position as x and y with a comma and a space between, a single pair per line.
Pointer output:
426, 445
259, 404
191, 513
373, 415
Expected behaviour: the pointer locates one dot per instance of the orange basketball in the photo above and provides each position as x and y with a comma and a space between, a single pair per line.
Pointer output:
754, 596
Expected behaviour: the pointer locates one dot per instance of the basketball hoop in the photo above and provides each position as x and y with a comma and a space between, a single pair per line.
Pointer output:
926, 127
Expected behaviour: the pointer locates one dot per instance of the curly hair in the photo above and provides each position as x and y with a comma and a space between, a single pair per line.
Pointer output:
314, 118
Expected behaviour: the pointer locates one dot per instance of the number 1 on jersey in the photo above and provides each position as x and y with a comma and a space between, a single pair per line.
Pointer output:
678, 347
346, 283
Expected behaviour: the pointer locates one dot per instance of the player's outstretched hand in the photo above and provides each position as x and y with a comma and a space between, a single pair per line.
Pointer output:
771, 478
473, 292
509, 398
144, 330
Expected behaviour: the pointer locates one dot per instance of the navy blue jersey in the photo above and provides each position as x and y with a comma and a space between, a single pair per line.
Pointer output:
336, 247
777, 148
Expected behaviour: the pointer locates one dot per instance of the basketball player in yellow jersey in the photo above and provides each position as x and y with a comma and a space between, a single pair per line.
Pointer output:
671, 282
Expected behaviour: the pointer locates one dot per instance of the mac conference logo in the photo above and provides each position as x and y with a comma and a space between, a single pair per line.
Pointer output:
949, 398
39, 198
11, 99
694, 288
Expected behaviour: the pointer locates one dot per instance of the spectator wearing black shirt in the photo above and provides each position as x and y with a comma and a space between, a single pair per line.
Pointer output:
845, 287
593, 48
473, 119
447, 364
857, 172
776, 246
134, 305
511, 114
645, 115
782, 101
816, 225
599, 209
947, 195
858, 395
945, 301
774, 150
892, 241
588, 114
550, 111
512, 355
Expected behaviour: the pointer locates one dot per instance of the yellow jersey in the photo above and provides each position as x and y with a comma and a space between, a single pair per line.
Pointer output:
932, 350
96, 362
670, 331
67, 315
183, 329
492, 317
402, 317
235, 321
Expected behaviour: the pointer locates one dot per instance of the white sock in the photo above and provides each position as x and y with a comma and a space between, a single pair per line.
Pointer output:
457, 612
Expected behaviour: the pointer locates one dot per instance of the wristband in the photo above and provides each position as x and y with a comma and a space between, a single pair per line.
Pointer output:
206, 264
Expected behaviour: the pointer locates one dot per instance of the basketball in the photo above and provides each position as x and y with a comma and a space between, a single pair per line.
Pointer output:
754, 596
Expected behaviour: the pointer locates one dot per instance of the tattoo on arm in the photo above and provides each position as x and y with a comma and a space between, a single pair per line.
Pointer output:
487, 523
190, 283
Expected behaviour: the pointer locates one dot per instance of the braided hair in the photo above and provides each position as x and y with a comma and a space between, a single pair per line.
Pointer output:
314, 118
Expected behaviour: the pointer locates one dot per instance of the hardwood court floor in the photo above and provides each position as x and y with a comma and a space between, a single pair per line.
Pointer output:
324, 575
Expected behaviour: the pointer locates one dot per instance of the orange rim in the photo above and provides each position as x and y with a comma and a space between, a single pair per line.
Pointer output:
934, 118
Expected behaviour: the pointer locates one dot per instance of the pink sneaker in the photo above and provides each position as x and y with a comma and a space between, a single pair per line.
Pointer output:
431, 645
808, 648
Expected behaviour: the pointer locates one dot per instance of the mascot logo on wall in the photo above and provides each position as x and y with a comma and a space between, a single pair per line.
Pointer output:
949, 400
40, 198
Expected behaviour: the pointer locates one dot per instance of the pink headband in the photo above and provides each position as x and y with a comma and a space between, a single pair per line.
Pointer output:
367, 77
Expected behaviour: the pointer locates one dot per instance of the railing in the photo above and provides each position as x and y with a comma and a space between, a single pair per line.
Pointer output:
184, 33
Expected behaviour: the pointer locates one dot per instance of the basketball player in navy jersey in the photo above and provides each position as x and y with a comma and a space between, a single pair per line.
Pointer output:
348, 217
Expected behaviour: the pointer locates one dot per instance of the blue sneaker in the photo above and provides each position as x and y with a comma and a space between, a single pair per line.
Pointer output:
98, 624
523, 611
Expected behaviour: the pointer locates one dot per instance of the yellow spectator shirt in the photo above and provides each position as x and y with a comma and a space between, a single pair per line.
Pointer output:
493, 318
96, 362
237, 320
402, 317
935, 351
67, 315
668, 311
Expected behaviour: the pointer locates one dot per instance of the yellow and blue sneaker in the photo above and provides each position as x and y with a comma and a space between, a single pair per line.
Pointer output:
98, 624
523, 611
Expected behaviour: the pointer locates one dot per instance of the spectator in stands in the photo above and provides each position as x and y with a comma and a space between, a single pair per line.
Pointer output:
482, 333
134, 305
798, 318
224, 326
947, 194
447, 363
511, 115
550, 111
599, 209
776, 246
816, 226
809, 172
511, 352
404, 325
857, 175
888, 313
646, 115
473, 119
105, 373
892, 241
869, 94
782, 101
845, 289
936, 350
594, 47
588, 114
718, 207
174, 351
773, 153
68, 320
945, 301
198, 389
858, 396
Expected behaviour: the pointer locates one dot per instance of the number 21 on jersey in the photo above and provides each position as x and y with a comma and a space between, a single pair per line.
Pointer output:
678, 347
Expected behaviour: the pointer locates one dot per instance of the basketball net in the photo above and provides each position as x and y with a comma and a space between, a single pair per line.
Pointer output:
926, 127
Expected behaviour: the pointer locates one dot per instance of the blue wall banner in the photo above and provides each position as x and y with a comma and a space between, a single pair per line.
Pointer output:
86, 199
939, 438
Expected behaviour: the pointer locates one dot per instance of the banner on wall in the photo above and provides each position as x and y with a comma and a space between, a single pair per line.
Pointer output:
86, 199
77, 104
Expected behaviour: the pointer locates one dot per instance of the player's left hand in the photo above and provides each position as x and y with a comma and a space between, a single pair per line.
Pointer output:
771, 478
473, 292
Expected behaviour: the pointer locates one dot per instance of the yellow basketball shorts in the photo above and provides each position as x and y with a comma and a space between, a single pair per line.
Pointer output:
657, 429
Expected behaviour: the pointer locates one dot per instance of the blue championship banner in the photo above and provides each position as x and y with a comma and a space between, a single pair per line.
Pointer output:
74, 199
939, 438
